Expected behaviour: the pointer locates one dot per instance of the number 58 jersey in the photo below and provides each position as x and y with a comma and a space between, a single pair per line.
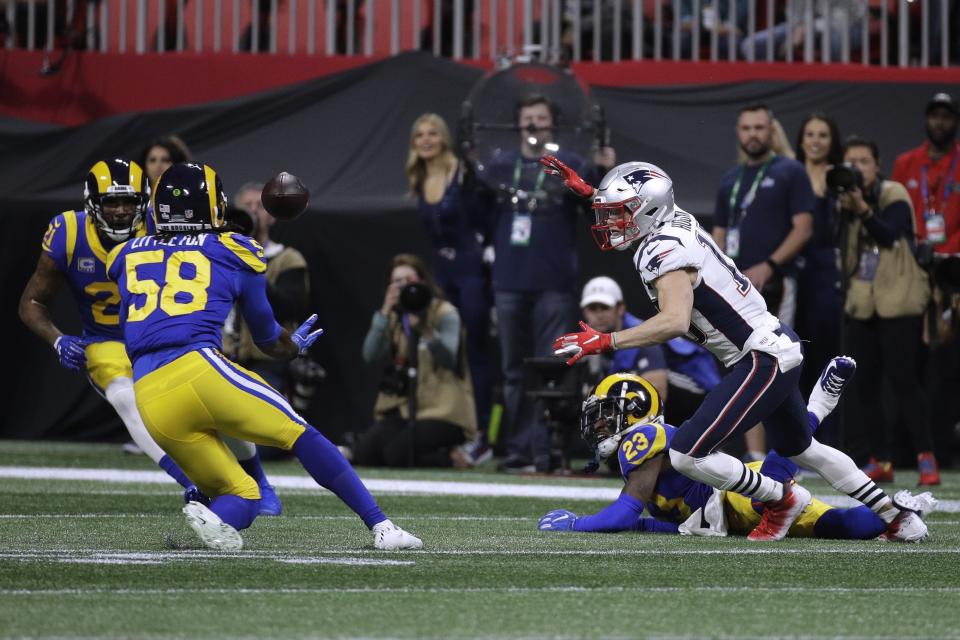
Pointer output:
177, 290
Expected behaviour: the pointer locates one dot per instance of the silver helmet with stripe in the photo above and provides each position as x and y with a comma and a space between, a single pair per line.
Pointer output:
632, 198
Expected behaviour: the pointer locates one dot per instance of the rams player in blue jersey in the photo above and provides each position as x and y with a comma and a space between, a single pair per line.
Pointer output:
622, 416
74, 250
176, 289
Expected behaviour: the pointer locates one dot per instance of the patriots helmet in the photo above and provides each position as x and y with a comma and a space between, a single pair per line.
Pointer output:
618, 403
632, 198
116, 181
189, 198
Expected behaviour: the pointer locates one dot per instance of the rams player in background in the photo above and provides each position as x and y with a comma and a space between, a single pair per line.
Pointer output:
74, 250
622, 416
176, 289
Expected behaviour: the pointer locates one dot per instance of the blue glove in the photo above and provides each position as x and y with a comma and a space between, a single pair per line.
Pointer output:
557, 520
71, 350
303, 337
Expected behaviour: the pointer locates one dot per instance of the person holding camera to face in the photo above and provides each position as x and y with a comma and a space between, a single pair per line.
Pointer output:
425, 407
886, 295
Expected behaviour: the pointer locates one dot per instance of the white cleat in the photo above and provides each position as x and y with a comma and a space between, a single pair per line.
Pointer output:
834, 377
389, 537
922, 504
214, 532
906, 527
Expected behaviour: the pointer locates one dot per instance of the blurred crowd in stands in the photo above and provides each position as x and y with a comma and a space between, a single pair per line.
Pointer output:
835, 28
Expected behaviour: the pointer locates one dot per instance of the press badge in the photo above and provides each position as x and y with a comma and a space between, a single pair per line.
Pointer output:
521, 229
936, 228
869, 259
733, 242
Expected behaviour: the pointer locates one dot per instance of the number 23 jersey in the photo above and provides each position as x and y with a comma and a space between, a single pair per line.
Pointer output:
675, 496
177, 290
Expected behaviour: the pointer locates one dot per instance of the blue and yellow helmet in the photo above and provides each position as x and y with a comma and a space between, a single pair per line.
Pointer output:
189, 198
617, 404
112, 181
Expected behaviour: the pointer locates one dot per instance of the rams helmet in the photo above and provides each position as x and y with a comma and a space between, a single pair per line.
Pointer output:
632, 198
189, 198
115, 181
617, 404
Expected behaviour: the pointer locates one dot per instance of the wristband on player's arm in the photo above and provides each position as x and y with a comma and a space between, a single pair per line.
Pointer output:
774, 266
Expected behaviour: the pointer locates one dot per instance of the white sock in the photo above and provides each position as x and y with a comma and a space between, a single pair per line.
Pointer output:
839, 470
242, 449
120, 394
821, 404
727, 474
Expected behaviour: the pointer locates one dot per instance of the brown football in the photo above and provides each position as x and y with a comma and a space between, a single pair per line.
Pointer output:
285, 197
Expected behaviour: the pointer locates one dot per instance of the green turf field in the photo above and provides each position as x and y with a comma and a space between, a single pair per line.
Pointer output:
93, 559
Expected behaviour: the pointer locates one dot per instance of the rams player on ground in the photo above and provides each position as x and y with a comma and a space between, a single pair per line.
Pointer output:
622, 416
176, 289
75, 249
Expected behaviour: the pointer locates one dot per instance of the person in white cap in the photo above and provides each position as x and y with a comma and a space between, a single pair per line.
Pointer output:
678, 368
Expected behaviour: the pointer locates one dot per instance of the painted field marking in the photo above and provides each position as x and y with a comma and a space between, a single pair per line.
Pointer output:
384, 486
160, 557
441, 590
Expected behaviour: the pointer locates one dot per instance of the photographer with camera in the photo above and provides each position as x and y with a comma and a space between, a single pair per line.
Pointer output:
887, 293
425, 407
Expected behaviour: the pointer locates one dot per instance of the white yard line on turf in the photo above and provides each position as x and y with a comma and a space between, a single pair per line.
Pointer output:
382, 485
438, 590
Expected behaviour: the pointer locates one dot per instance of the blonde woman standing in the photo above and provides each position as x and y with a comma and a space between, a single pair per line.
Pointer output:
442, 188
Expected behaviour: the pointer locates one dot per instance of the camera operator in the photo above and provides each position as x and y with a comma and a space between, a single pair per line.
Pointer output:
887, 293
419, 332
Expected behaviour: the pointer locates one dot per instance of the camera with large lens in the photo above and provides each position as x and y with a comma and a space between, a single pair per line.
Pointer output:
843, 178
415, 297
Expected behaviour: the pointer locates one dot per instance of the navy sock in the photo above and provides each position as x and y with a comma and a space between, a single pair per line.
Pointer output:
237, 512
782, 469
253, 468
859, 523
167, 464
330, 469
778, 468
812, 422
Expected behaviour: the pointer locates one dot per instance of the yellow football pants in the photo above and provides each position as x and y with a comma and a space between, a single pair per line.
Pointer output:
188, 402
107, 361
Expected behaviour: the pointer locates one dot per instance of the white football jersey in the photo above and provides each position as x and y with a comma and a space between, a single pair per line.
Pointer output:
727, 309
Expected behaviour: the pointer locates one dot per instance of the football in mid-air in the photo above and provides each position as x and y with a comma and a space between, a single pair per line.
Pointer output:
285, 197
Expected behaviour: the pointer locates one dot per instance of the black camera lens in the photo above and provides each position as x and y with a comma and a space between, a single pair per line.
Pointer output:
843, 178
415, 297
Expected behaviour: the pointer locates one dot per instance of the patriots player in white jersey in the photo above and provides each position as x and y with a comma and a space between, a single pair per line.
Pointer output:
701, 294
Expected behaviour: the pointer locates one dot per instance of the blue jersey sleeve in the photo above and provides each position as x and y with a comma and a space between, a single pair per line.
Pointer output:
256, 309
639, 445
60, 238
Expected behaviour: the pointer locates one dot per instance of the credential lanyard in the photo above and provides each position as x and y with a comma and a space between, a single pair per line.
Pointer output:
516, 177
748, 198
947, 184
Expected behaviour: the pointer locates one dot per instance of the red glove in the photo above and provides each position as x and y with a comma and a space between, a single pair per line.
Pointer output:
585, 343
553, 166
